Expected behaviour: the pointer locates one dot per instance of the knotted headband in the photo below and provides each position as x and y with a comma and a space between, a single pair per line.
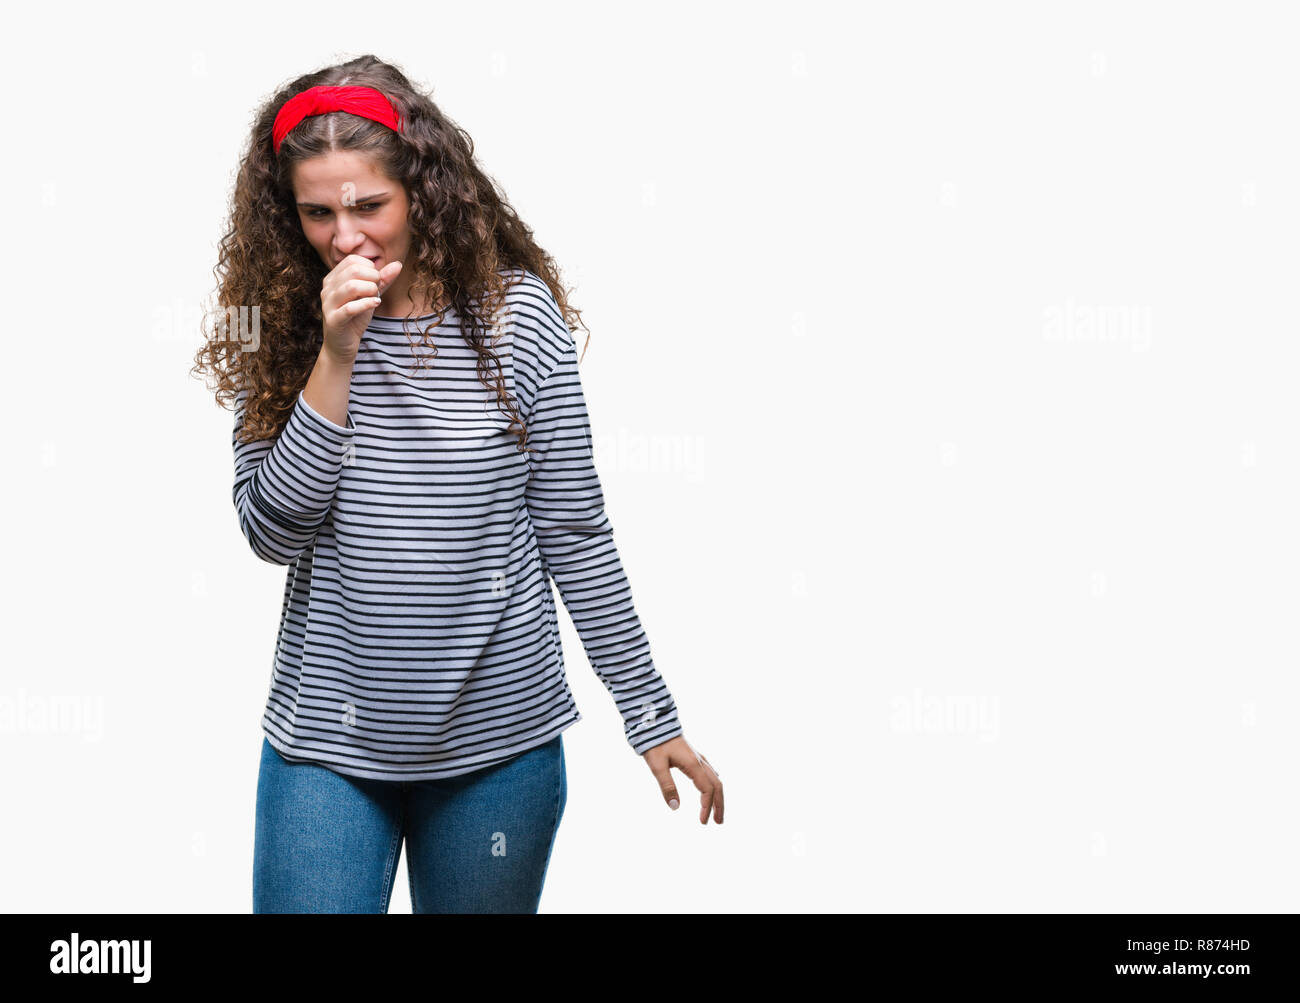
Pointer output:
364, 101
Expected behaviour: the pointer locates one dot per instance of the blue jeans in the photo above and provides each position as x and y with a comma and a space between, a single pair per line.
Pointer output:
476, 843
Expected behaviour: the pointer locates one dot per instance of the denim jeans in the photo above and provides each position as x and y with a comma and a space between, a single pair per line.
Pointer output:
476, 843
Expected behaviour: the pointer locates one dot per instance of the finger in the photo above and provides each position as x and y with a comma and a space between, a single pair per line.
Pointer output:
711, 799
360, 287
666, 785
381, 279
365, 272
704, 781
710, 788
717, 788
354, 267
388, 273
358, 306
354, 261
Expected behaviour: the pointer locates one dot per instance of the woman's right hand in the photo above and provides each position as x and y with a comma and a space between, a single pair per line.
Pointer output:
348, 297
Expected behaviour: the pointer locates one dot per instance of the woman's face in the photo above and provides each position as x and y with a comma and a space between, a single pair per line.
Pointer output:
347, 207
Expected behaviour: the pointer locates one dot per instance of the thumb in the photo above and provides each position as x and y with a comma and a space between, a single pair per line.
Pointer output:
666, 786
388, 273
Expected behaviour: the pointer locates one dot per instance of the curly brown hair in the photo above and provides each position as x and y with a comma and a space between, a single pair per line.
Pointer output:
463, 235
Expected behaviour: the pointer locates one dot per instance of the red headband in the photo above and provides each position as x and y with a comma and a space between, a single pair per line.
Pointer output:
364, 101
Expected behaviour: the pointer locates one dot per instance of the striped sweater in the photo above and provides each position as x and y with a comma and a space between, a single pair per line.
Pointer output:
418, 637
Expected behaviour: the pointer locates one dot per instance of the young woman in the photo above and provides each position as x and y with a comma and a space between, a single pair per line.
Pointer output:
421, 503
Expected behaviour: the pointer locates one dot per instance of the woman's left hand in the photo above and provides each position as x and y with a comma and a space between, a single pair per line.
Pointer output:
677, 752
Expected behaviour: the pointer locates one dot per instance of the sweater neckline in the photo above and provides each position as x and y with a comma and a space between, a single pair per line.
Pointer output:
397, 321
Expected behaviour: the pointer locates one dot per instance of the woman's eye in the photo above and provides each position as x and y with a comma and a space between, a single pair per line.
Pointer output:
367, 206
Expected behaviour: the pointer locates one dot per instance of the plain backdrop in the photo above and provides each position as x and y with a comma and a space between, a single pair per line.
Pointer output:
941, 380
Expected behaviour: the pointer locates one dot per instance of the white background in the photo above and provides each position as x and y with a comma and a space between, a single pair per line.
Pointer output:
941, 377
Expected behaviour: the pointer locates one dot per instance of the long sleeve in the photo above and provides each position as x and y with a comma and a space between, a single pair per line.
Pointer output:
567, 510
284, 487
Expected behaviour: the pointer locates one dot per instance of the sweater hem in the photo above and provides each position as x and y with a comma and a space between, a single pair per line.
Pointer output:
453, 768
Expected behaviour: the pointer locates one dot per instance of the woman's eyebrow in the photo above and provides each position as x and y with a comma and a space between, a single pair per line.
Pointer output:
363, 198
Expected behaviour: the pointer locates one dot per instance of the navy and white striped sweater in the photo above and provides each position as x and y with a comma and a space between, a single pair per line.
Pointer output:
418, 637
